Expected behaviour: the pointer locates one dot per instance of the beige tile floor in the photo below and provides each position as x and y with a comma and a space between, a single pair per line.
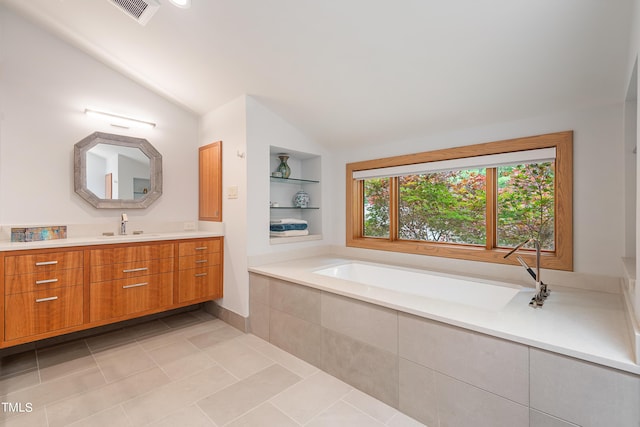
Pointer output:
186, 370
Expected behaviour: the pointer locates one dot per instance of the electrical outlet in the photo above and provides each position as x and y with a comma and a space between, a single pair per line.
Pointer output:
189, 226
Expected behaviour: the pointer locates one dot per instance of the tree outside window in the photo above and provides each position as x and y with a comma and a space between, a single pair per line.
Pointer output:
443, 207
450, 207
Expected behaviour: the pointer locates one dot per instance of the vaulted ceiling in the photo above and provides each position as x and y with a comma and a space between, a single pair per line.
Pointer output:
352, 72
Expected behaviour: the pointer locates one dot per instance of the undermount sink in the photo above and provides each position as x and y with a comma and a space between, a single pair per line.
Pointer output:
127, 236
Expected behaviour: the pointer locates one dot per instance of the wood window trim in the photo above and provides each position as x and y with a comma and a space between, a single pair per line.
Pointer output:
560, 259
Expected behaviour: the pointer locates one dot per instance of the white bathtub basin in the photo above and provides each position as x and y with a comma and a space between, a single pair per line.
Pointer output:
459, 290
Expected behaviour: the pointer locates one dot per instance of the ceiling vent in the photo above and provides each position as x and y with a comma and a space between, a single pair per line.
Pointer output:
140, 10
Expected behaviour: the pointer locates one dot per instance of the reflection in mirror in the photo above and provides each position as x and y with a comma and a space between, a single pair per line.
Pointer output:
116, 171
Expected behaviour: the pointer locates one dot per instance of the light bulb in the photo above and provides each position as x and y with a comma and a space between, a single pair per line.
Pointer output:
184, 4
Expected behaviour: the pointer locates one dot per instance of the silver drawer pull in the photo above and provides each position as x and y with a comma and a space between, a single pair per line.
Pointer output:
200, 274
47, 299
136, 285
38, 264
201, 248
42, 282
201, 261
133, 270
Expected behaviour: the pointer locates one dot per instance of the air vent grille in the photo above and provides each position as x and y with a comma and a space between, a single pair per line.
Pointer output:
140, 10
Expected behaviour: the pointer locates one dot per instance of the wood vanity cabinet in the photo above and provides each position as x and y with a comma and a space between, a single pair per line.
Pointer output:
49, 292
43, 292
210, 182
129, 280
199, 270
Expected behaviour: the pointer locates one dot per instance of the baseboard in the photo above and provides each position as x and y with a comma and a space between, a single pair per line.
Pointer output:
634, 327
234, 319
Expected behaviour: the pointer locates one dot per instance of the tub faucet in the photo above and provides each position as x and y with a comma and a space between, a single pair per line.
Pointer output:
542, 292
123, 224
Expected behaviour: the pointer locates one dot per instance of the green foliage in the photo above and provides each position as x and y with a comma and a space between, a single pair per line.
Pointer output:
376, 207
526, 204
443, 207
451, 206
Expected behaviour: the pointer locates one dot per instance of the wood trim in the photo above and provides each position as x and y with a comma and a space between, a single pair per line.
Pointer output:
108, 186
2, 298
491, 183
497, 147
560, 259
355, 215
394, 205
564, 202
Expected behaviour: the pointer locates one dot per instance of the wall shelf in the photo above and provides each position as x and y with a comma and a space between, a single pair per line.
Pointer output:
305, 176
293, 207
294, 239
295, 181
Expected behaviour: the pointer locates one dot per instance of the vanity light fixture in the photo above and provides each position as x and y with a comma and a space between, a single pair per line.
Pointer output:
118, 120
184, 4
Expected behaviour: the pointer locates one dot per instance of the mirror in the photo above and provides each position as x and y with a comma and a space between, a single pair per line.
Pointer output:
116, 171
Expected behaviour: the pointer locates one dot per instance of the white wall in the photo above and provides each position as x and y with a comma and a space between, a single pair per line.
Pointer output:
96, 179
265, 129
630, 159
598, 199
634, 82
45, 85
247, 129
228, 124
128, 169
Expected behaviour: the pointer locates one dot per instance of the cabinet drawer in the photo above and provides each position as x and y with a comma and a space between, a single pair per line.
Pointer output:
130, 253
118, 298
100, 273
25, 264
201, 260
199, 247
199, 283
43, 281
31, 313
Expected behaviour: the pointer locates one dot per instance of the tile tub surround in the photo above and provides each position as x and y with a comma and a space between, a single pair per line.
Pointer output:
435, 372
584, 324
189, 369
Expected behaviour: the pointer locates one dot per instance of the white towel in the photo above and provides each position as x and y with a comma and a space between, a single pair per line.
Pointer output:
288, 221
289, 233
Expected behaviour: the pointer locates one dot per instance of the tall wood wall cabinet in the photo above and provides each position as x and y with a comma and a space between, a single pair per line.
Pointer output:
210, 182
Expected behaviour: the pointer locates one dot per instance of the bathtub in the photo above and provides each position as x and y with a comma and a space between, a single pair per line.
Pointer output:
442, 287
397, 332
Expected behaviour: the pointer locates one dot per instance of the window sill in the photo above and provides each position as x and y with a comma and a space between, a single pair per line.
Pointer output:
548, 260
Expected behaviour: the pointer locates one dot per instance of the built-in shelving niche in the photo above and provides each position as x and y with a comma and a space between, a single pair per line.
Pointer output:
305, 175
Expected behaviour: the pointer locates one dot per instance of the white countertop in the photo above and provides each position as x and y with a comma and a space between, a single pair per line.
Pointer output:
584, 324
104, 240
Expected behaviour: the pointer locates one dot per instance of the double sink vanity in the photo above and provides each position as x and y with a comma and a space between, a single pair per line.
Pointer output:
54, 287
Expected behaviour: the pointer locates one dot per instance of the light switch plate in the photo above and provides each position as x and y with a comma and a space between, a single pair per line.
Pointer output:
232, 192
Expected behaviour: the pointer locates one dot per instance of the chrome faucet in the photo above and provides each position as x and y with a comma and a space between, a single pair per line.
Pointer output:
123, 224
542, 292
